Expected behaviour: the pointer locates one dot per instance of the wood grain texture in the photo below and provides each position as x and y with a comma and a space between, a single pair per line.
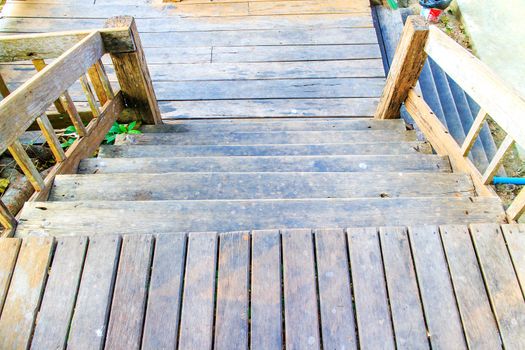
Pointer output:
515, 238
9, 248
17, 151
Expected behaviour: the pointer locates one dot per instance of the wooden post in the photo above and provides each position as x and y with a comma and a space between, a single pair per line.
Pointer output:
7, 220
133, 74
405, 69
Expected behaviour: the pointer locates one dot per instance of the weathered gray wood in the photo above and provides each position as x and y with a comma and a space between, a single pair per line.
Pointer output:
192, 186
479, 323
231, 317
89, 323
515, 239
300, 295
25, 292
439, 303
405, 163
58, 303
374, 323
266, 297
199, 292
9, 248
501, 282
335, 296
371, 148
66, 218
129, 297
161, 324
407, 312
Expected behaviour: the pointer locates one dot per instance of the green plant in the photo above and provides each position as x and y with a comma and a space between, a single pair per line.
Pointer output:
71, 135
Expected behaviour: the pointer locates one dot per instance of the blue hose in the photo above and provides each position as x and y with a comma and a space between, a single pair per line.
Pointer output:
509, 180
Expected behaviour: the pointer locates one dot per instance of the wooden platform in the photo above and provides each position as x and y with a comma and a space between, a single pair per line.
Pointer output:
359, 288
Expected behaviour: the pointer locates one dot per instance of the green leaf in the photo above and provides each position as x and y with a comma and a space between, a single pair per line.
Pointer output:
131, 126
110, 138
134, 132
114, 129
70, 130
122, 129
68, 143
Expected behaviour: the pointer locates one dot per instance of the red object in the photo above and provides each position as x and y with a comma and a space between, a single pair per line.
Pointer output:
431, 14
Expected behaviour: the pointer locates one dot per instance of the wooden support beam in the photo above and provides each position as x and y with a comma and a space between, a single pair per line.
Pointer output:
517, 208
73, 114
51, 137
7, 220
405, 69
24, 162
39, 65
473, 133
497, 161
94, 77
84, 82
106, 85
133, 74
4, 91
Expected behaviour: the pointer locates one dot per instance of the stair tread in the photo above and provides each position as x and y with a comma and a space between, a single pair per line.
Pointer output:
352, 163
94, 217
197, 186
385, 148
268, 137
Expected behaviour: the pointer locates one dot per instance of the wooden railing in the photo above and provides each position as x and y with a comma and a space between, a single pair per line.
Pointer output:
75, 56
505, 106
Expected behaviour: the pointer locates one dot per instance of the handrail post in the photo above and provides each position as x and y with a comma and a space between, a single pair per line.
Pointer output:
405, 69
133, 74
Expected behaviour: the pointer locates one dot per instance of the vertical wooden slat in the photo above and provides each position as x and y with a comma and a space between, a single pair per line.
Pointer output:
479, 323
25, 292
24, 162
196, 325
496, 162
94, 77
39, 65
129, 298
51, 137
106, 84
71, 110
163, 311
404, 72
335, 297
89, 324
84, 82
517, 207
231, 320
371, 305
501, 283
515, 239
407, 311
4, 90
60, 295
473, 133
9, 248
439, 302
7, 220
266, 298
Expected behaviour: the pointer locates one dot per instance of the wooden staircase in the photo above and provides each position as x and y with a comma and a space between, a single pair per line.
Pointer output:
232, 175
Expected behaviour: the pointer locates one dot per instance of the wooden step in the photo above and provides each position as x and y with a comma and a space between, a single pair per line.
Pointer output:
192, 186
251, 125
112, 217
162, 151
271, 137
404, 163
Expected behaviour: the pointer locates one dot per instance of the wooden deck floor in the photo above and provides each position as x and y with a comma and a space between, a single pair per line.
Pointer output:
232, 58
365, 288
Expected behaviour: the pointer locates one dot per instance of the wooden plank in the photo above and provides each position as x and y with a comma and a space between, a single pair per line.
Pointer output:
7, 220
501, 282
129, 297
301, 312
196, 325
335, 296
479, 323
161, 325
74, 116
439, 303
106, 85
443, 142
498, 159
231, 318
517, 207
405, 68
59, 299
266, 294
25, 163
89, 323
88, 92
407, 312
51, 137
4, 90
20, 108
504, 104
39, 65
374, 324
473, 133
94, 77
306, 6
25, 292
9, 248
515, 238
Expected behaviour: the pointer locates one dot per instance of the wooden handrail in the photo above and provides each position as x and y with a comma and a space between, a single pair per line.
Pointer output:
504, 105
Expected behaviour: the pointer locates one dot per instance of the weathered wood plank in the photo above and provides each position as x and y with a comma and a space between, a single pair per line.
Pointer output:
495, 164
301, 313
7, 220
52, 140
439, 303
25, 292
407, 312
199, 292
335, 296
501, 282
129, 297
479, 323
306, 6
266, 297
515, 239
473, 133
161, 325
17, 151
231, 317
517, 208
89, 323
374, 324
9, 248
59, 299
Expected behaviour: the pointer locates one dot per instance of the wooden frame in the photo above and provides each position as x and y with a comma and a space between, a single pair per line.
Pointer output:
504, 105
